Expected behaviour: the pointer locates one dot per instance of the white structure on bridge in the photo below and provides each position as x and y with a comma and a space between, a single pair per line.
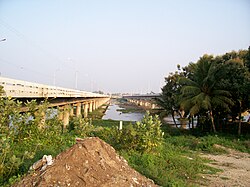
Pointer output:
71, 102
23, 89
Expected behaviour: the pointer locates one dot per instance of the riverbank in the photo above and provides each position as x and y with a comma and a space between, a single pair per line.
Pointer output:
178, 161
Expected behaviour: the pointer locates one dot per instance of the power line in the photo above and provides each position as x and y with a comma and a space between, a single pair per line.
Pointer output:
49, 55
23, 68
29, 41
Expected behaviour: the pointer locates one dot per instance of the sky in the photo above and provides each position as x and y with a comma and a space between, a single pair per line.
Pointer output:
125, 46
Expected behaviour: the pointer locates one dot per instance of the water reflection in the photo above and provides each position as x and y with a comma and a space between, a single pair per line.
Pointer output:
113, 114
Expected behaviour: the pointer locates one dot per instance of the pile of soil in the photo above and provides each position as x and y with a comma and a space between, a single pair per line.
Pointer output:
90, 162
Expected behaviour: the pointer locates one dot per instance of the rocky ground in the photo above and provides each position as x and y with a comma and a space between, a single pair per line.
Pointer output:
235, 168
90, 162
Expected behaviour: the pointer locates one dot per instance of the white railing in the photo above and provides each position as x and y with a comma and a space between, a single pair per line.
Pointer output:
23, 89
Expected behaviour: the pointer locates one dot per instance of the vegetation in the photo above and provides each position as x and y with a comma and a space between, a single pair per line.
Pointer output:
214, 89
98, 113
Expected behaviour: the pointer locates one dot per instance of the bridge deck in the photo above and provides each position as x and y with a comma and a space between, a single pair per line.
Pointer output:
24, 89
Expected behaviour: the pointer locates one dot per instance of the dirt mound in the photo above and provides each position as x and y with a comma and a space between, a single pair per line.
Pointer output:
90, 162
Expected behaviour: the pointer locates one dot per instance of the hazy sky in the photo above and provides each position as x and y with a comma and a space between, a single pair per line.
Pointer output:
115, 45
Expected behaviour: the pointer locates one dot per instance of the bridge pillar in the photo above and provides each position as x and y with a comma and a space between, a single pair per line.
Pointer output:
97, 104
153, 106
78, 109
65, 116
60, 115
72, 110
90, 106
94, 105
146, 104
85, 113
140, 103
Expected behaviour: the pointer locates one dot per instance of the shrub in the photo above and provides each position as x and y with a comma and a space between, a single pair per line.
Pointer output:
142, 136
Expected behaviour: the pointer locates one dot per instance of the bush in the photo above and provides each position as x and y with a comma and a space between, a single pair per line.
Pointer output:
24, 138
80, 127
142, 136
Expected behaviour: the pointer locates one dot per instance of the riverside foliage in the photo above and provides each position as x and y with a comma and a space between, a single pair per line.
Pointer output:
215, 89
165, 159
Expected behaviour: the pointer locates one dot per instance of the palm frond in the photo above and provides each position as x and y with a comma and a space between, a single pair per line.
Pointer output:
186, 81
194, 110
190, 90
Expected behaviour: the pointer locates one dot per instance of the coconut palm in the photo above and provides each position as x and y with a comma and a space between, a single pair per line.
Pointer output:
200, 92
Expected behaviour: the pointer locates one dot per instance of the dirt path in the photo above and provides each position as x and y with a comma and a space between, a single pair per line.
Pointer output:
235, 168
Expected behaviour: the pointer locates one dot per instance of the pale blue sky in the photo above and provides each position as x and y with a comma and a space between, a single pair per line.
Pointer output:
115, 45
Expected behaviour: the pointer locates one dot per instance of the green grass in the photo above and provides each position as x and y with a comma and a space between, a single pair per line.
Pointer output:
98, 113
170, 165
108, 123
177, 162
205, 142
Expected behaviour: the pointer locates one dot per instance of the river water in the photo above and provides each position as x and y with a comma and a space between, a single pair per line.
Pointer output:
112, 113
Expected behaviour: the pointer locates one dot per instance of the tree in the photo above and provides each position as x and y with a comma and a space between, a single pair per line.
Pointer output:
200, 91
236, 79
169, 96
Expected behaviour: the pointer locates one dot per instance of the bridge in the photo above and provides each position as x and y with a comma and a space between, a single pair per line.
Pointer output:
71, 102
144, 100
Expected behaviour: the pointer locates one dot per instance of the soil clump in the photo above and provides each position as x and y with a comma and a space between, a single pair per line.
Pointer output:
90, 162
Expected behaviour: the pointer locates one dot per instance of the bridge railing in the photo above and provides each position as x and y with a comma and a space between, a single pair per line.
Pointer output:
20, 89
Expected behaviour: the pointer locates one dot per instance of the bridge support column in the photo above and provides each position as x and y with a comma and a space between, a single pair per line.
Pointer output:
78, 109
60, 115
153, 106
85, 113
65, 116
72, 110
94, 105
97, 104
90, 106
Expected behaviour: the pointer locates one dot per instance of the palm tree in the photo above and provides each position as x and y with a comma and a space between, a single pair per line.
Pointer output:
200, 92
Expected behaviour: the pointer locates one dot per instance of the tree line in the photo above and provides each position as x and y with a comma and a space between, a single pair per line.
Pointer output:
215, 90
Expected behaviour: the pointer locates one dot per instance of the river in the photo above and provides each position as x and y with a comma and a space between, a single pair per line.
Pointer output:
113, 114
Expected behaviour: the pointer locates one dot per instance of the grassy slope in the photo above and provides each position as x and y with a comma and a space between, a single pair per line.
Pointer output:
175, 163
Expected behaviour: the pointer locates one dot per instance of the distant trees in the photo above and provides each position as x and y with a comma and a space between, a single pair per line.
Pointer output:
212, 88
99, 92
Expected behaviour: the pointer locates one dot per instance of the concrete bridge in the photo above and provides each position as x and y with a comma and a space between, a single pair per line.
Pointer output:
144, 100
71, 102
